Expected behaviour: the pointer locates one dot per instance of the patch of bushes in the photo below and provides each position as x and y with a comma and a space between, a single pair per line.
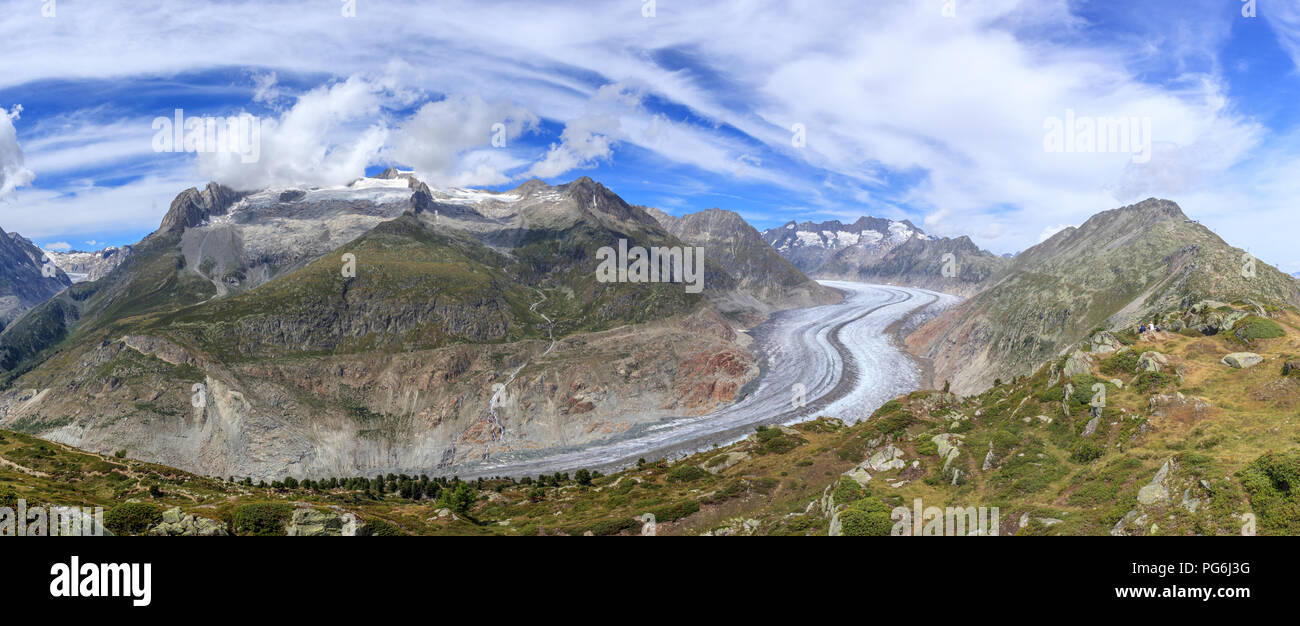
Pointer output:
132, 518
848, 490
686, 474
1123, 362
1150, 382
1272, 482
9, 498
607, 527
675, 511
1087, 452
262, 519
773, 441
893, 419
381, 528
1254, 327
867, 517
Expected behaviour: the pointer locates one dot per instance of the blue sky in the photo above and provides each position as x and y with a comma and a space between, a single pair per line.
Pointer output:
930, 110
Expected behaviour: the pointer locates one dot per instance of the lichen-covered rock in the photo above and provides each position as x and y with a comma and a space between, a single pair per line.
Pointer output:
886, 459
948, 445
1152, 362
723, 462
1077, 364
308, 522
859, 475
1242, 360
1104, 343
177, 523
1157, 491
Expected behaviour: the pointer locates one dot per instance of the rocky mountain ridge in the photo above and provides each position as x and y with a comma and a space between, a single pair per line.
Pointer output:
27, 277
876, 250
1118, 268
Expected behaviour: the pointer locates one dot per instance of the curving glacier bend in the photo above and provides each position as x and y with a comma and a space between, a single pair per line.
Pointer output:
836, 360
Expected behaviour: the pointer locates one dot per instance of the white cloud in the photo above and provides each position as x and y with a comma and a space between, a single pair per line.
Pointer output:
883, 89
449, 142
1049, 231
13, 173
266, 89
58, 246
84, 209
328, 137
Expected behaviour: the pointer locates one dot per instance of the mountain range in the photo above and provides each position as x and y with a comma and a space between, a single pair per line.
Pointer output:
876, 250
387, 325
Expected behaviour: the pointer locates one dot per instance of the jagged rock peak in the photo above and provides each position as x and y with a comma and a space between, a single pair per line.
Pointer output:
192, 206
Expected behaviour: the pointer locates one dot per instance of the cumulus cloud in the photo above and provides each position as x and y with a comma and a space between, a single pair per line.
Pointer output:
462, 140
13, 173
58, 246
328, 137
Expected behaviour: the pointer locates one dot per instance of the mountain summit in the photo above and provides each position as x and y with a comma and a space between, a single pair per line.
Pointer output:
1120, 267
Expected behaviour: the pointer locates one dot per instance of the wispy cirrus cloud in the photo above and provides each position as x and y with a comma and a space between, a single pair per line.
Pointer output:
907, 113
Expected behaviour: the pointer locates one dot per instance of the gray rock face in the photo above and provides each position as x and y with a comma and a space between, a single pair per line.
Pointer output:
1242, 360
736, 527
1091, 427
859, 475
949, 450
1163, 405
723, 462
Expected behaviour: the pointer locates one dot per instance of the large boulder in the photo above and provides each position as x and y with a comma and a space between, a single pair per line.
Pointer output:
1104, 343
1157, 491
308, 522
949, 449
860, 474
888, 458
1077, 364
1242, 360
723, 462
1152, 362
177, 523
